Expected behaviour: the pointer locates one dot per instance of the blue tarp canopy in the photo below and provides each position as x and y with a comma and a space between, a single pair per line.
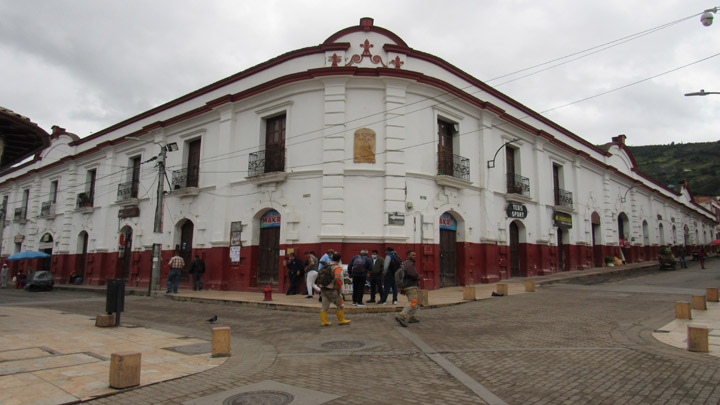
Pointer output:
28, 254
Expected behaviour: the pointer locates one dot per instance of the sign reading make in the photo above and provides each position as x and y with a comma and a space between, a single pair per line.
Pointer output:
515, 210
562, 220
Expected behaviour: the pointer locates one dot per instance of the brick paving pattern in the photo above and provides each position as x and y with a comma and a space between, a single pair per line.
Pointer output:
564, 344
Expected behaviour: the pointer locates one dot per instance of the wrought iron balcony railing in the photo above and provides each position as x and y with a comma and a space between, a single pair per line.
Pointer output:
187, 177
266, 161
563, 198
20, 214
127, 190
453, 165
47, 208
84, 200
517, 184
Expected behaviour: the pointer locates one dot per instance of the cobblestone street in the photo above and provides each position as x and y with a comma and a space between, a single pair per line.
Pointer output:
565, 343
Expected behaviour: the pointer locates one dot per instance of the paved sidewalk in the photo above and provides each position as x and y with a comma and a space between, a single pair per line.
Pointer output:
71, 362
51, 357
436, 298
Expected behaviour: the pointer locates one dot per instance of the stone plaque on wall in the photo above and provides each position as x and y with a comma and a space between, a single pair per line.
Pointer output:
364, 146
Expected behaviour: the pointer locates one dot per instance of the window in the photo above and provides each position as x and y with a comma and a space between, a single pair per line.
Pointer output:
275, 144
516, 184
134, 176
90, 185
53, 191
563, 198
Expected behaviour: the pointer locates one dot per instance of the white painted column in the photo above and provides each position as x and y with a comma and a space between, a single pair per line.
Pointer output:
332, 215
395, 100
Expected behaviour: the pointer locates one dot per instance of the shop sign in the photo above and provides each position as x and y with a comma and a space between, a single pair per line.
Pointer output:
515, 210
562, 219
396, 219
271, 219
129, 212
447, 221
19, 238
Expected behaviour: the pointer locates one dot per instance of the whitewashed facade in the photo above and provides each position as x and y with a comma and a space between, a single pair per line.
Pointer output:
358, 142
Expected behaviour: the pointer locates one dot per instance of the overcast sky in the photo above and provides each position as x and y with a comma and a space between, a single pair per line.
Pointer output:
86, 64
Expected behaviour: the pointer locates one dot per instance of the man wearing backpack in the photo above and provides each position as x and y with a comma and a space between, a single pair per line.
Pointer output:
392, 263
409, 288
197, 269
359, 268
330, 281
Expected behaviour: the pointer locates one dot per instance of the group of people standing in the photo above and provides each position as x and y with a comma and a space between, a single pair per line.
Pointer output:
378, 270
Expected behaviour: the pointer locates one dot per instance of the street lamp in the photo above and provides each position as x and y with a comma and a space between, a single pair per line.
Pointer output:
707, 17
702, 92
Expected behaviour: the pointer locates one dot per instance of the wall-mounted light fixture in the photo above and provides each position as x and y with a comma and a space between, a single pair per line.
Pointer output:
491, 163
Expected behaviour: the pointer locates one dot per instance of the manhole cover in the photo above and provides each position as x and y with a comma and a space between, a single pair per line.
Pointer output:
343, 345
260, 398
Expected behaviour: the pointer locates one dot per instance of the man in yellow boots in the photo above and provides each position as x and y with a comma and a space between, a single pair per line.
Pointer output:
330, 281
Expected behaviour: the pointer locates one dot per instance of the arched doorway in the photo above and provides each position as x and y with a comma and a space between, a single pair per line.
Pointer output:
598, 260
186, 240
515, 262
46, 246
686, 235
125, 251
268, 260
646, 240
624, 236
448, 250
82, 250
674, 235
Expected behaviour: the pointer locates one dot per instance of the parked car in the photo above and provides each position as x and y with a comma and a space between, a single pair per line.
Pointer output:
40, 280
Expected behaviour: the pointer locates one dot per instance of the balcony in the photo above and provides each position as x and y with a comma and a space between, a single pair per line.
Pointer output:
186, 177
563, 198
517, 184
84, 200
20, 214
47, 209
127, 192
453, 165
266, 161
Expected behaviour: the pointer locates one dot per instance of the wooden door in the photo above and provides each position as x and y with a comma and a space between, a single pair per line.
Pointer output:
135, 177
445, 148
561, 250
193, 169
83, 255
269, 255
127, 252
514, 250
275, 144
556, 184
512, 186
448, 258
186, 238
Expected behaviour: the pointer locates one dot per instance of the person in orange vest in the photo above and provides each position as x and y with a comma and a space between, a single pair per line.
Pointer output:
330, 282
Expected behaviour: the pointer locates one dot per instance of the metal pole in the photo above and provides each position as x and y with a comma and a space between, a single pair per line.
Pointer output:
160, 192
158, 227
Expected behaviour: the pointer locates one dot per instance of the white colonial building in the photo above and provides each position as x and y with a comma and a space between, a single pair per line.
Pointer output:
360, 141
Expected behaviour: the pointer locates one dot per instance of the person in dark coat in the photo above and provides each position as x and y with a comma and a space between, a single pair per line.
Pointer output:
197, 269
376, 276
296, 270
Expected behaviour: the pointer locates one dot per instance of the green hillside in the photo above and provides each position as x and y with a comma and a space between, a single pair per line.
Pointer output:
698, 163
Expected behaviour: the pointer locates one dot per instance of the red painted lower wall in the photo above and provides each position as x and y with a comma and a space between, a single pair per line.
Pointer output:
475, 263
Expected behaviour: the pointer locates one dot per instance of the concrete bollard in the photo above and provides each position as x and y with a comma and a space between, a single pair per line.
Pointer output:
502, 288
682, 310
221, 342
124, 369
712, 294
698, 302
469, 293
423, 298
529, 286
697, 339
104, 321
